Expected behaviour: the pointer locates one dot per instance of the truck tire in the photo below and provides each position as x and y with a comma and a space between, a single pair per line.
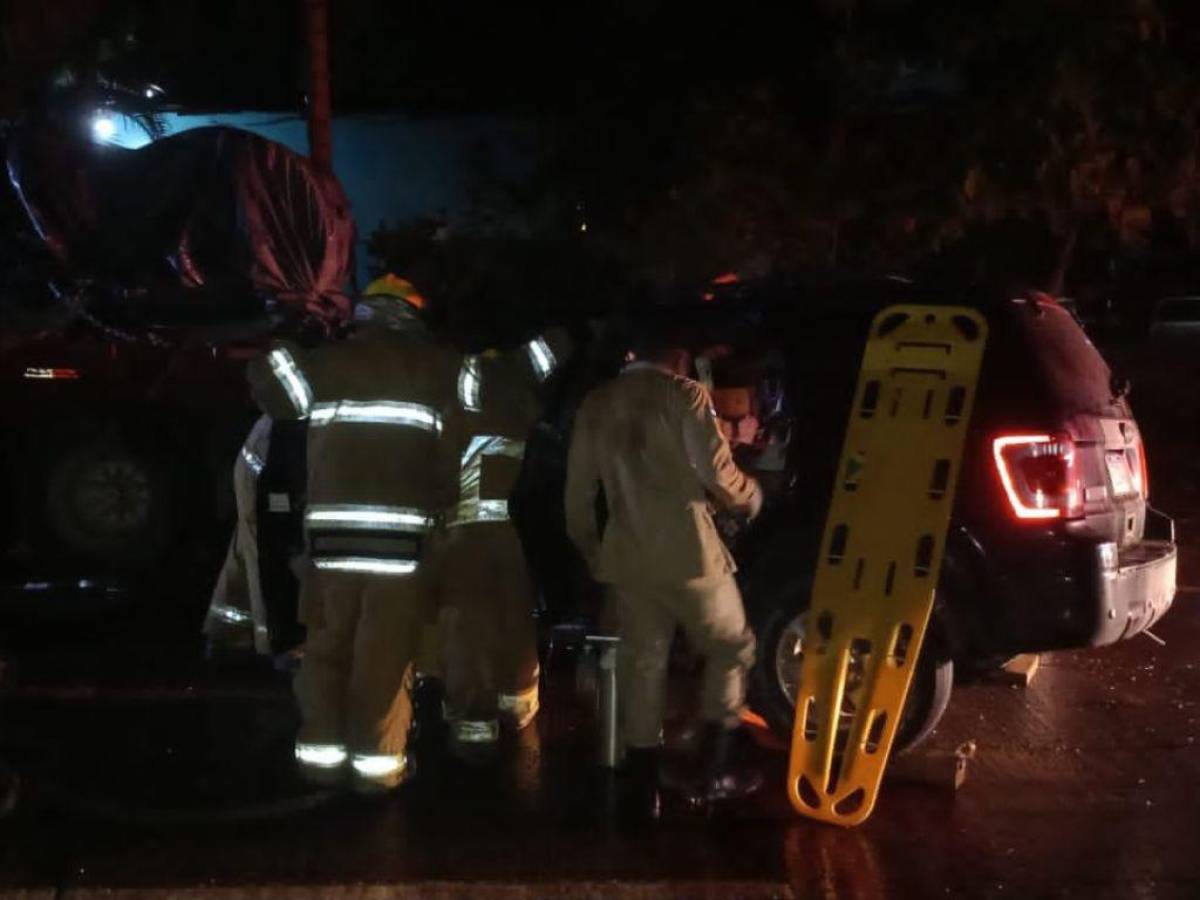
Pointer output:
780, 629
108, 501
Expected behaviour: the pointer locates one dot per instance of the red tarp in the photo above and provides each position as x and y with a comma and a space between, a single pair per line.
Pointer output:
209, 226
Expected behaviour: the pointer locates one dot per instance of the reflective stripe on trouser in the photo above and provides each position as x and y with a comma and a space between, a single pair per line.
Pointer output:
355, 679
475, 731
488, 626
520, 708
236, 617
385, 768
711, 613
321, 756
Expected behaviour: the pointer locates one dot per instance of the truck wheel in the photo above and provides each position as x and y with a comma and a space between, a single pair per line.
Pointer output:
781, 632
107, 501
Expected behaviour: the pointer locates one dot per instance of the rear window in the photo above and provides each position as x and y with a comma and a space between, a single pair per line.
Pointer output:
1178, 309
1077, 376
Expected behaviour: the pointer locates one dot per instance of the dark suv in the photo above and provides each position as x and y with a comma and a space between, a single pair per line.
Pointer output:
1052, 544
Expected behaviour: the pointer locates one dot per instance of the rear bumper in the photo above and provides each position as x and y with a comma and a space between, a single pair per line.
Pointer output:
1079, 593
1136, 592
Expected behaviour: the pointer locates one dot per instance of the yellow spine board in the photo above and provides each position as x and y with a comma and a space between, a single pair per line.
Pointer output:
881, 553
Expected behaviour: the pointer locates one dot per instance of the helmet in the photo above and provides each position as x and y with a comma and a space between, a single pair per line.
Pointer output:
390, 285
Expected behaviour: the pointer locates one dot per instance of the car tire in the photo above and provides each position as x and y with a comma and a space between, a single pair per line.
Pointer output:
107, 501
779, 625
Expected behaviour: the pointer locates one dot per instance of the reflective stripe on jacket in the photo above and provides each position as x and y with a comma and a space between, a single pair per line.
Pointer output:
379, 469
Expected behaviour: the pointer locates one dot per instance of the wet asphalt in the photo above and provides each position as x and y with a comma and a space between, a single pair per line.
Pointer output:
148, 772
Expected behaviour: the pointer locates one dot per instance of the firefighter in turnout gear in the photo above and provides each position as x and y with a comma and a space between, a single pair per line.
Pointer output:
376, 405
490, 635
650, 439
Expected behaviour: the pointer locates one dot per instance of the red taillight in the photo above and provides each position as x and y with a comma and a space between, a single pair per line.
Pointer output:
51, 374
1038, 475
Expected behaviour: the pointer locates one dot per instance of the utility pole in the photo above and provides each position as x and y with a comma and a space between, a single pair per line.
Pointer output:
320, 115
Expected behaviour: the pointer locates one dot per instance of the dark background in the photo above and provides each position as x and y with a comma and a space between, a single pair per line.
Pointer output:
1050, 144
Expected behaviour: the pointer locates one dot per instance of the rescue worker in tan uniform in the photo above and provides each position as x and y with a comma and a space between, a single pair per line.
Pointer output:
237, 616
649, 438
491, 660
376, 405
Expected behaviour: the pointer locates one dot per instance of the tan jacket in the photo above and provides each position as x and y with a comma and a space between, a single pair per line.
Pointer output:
377, 406
651, 440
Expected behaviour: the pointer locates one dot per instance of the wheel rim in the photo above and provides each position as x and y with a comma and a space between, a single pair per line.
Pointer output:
789, 661
789, 656
113, 497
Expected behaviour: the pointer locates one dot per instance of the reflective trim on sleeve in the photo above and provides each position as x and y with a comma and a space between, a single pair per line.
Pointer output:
230, 614
320, 756
471, 507
378, 765
366, 565
469, 384
378, 412
466, 731
541, 356
294, 383
336, 516
252, 461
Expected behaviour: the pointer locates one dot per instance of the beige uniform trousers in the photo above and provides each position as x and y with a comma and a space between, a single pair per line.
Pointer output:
490, 633
714, 620
354, 682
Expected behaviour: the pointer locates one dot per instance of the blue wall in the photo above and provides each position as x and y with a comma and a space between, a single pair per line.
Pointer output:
393, 168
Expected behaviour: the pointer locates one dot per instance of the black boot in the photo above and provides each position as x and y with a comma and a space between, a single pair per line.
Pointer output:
729, 775
639, 800
427, 725
718, 772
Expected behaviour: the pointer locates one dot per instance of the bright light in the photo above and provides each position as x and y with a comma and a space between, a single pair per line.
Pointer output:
103, 127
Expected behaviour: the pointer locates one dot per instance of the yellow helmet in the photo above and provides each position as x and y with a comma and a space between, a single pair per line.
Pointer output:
390, 285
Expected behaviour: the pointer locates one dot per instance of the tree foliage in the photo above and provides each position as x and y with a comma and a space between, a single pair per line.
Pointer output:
1003, 138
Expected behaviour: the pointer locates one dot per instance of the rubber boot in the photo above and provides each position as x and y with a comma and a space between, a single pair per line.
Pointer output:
428, 695
639, 798
716, 772
728, 775
475, 742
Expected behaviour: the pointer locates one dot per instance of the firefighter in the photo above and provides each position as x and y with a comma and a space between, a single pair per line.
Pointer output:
376, 405
491, 660
237, 616
650, 440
